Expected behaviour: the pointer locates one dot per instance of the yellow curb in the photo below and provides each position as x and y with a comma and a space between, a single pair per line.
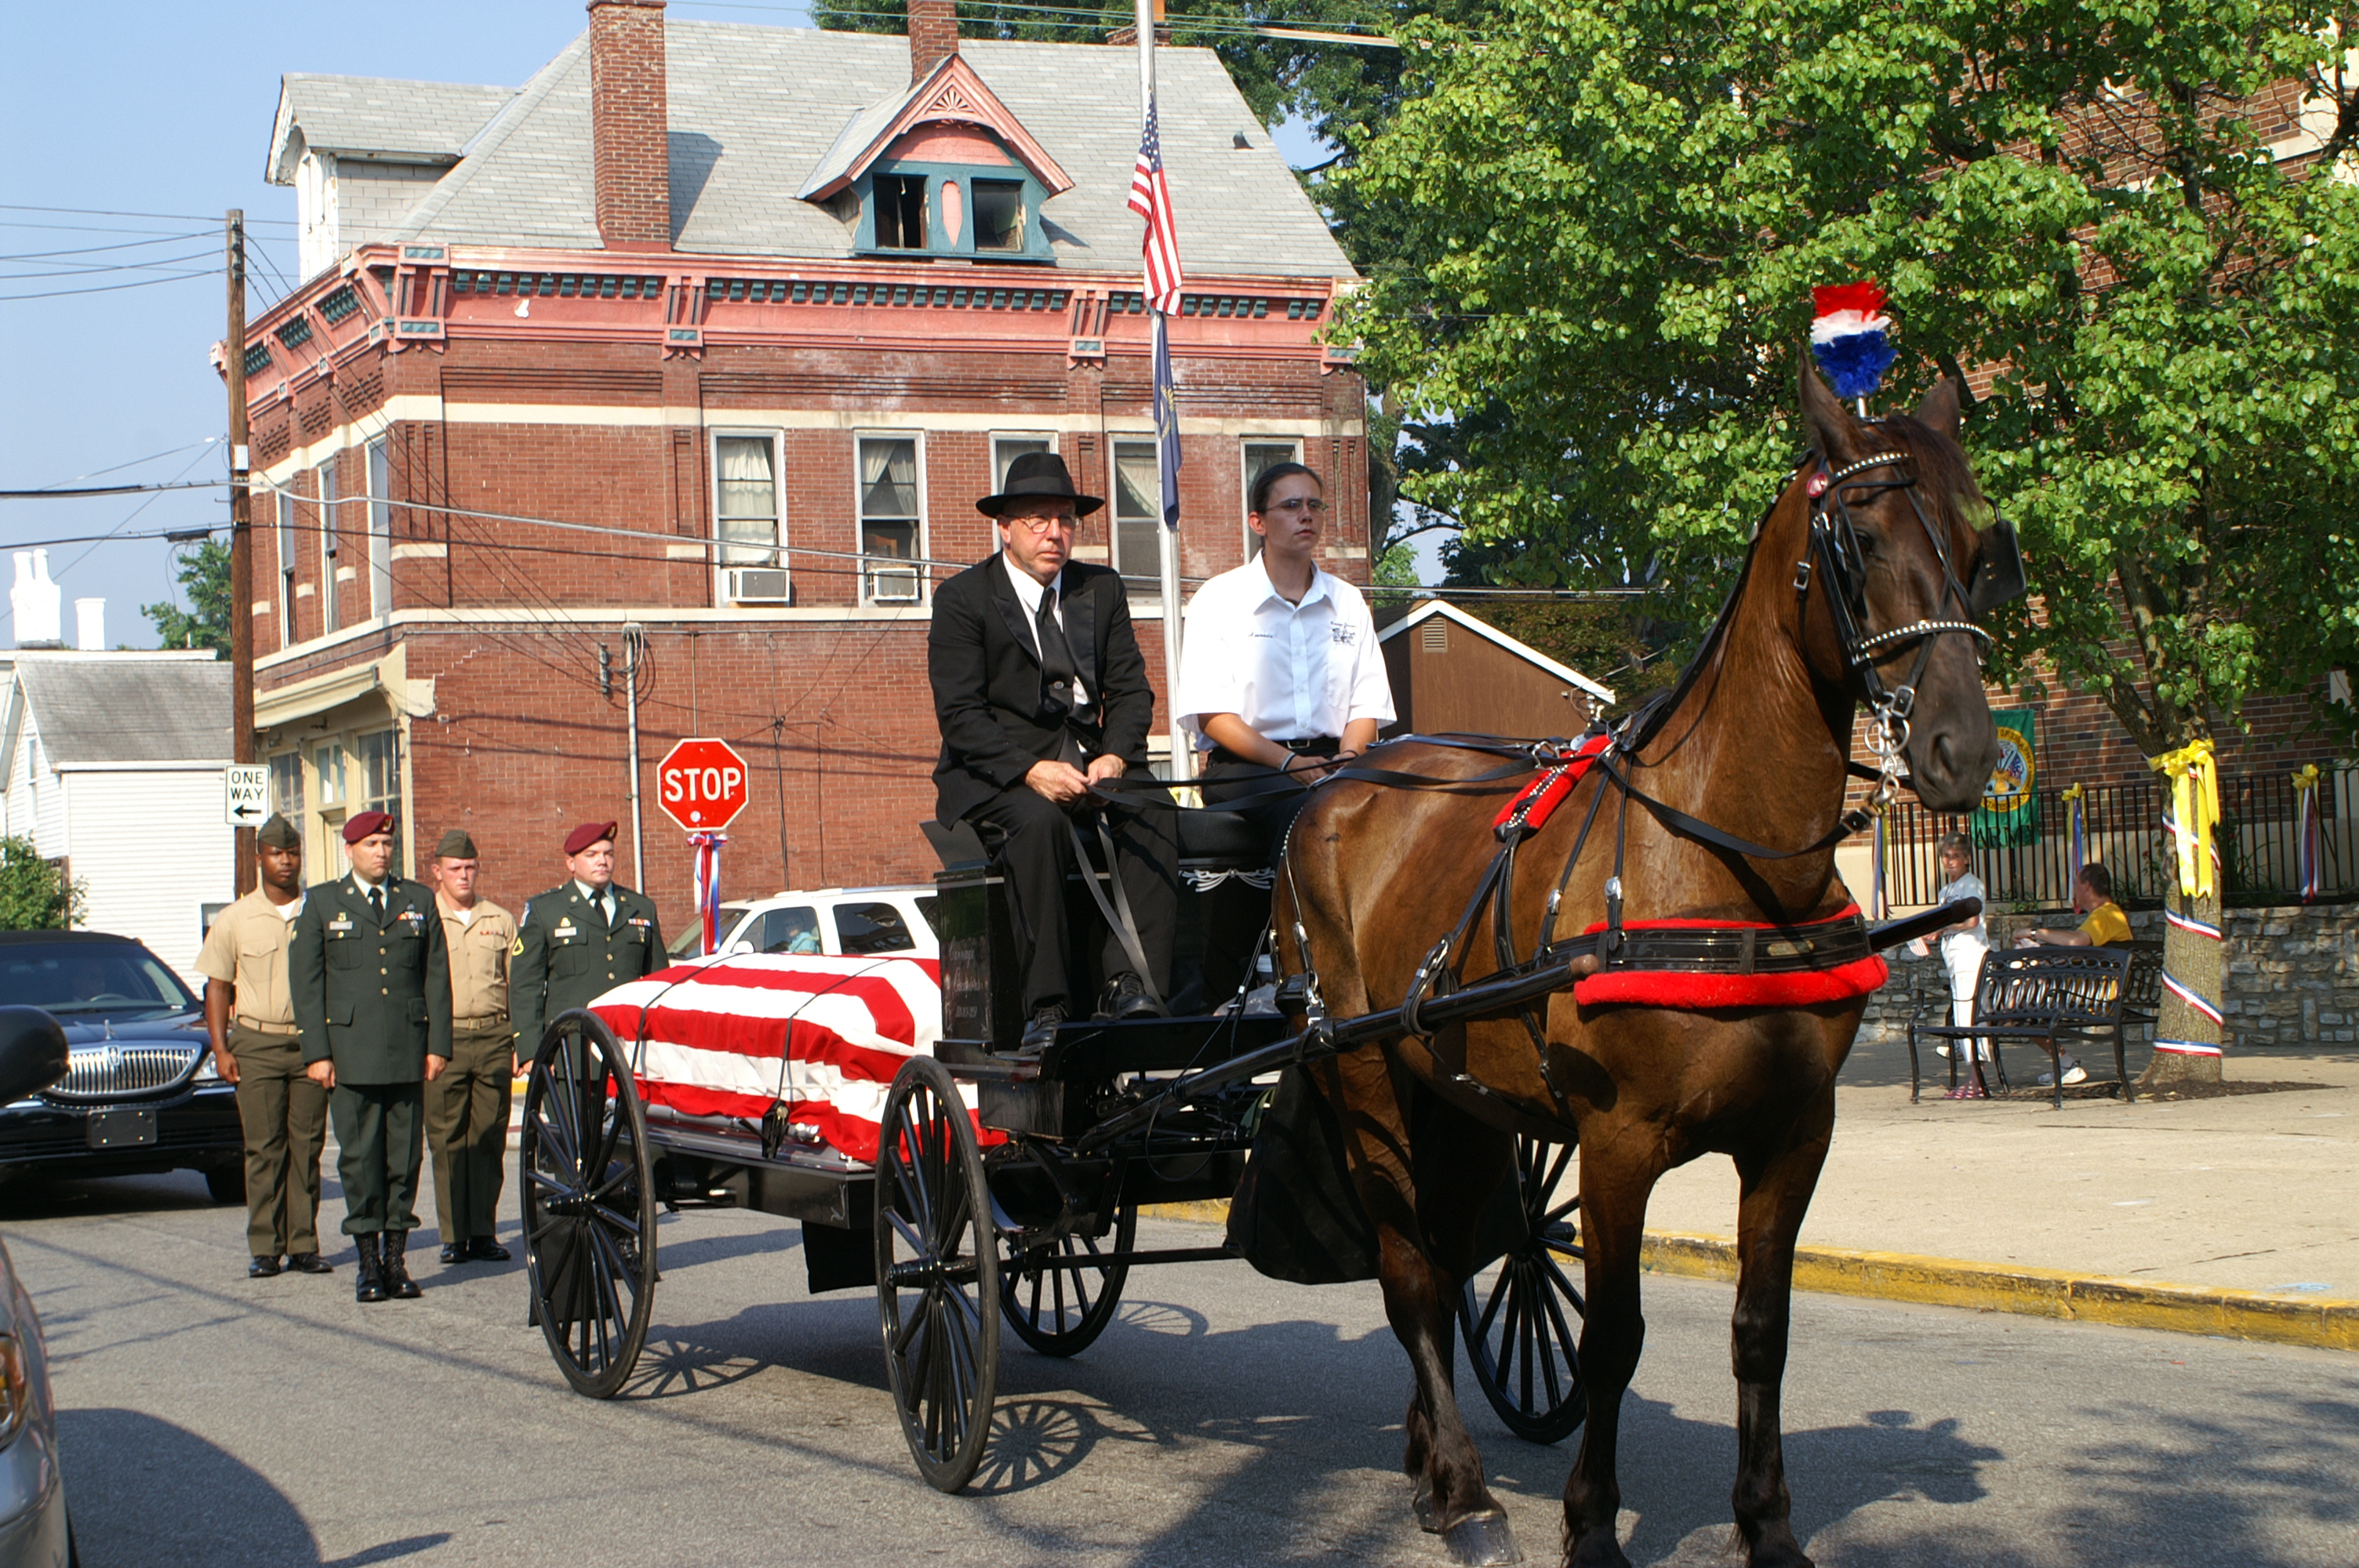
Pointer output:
2325, 1325
2036, 1292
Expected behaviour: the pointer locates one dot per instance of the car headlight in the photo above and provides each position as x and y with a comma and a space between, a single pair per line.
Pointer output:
207, 1068
16, 1389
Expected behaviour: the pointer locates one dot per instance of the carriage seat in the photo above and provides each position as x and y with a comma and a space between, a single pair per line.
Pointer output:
1209, 840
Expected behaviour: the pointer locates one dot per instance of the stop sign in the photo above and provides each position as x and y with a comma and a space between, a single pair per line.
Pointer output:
701, 785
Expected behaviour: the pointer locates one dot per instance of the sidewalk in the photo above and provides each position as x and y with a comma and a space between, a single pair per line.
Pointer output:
2007, 1204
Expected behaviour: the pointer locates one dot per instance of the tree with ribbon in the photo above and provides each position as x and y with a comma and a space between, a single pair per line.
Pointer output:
2123, 219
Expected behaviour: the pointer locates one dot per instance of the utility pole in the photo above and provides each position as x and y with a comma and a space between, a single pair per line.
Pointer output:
241, 539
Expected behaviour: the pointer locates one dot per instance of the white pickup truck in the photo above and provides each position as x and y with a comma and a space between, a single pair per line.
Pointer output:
874, 922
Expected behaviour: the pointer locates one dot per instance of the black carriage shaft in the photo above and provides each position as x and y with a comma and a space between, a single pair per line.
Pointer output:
1096, 1262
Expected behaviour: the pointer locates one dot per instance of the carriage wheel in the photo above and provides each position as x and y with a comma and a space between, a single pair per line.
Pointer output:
1058, 1312
937, 1274
1521, 1315
589, 1205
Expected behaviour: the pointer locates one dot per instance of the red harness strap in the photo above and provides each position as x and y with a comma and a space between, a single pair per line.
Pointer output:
1536, 800
1695, 989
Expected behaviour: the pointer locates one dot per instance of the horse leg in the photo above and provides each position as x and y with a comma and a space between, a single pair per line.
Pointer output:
1776, 1193
1615, 1187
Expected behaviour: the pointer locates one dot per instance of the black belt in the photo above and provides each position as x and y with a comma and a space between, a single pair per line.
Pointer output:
1316, 746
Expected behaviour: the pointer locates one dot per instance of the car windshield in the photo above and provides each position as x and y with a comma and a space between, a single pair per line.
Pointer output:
689, 942
72, 979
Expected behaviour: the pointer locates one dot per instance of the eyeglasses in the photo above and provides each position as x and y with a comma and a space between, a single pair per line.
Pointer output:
1034, 524
1310, 504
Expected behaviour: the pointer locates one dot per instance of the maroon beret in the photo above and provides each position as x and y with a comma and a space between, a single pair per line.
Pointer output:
359, 827
589, 833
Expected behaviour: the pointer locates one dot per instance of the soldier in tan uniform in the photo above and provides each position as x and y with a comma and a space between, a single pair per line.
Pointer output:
467, 1106
251, 1019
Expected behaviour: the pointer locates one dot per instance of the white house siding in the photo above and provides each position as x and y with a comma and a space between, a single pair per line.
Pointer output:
152, 850
37, 796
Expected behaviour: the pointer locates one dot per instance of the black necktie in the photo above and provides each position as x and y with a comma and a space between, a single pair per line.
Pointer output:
598, 905
377, 904
1058, 672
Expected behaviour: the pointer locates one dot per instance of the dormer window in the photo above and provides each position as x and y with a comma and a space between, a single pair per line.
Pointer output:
998, 215
900, 203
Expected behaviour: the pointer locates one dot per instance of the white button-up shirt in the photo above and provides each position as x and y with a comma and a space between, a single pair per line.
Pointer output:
1028, 589
1292, 672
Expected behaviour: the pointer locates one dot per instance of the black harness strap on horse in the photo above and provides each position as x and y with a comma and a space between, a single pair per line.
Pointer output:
1117, 914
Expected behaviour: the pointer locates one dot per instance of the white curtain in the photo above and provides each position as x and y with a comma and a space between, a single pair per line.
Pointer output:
748, 497
888, 478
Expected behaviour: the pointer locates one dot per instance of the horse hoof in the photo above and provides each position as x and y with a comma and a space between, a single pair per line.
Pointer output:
1423, 1503
1481, 1539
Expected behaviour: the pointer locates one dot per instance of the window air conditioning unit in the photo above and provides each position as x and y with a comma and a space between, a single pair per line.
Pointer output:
757, 585
892, 585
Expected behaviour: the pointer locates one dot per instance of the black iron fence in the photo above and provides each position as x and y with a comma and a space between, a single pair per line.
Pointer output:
2026, 857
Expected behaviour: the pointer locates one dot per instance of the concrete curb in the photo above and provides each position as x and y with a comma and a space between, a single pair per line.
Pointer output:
2324, 1325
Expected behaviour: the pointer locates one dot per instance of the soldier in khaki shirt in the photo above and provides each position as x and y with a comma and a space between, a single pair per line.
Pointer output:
251, 1018
467, 1106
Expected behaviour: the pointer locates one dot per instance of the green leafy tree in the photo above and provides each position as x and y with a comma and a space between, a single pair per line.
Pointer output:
34, 893
1613, 211
205, 578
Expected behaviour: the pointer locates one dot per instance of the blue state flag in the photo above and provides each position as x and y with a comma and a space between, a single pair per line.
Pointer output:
1166, 427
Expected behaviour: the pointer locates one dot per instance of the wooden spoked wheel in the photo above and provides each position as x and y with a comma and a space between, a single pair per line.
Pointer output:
1057, 1311
937, 1274
1521, 1315
589, 1205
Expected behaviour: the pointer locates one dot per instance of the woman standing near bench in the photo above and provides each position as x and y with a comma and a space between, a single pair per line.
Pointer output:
1962, 947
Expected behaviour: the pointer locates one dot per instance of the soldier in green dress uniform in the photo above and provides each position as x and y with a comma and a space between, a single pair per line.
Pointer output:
580, 939
370, 978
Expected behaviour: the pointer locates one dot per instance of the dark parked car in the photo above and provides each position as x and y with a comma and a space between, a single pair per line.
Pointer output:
142, 1093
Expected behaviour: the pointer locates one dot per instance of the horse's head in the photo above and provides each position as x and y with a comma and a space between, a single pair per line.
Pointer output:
1907, 556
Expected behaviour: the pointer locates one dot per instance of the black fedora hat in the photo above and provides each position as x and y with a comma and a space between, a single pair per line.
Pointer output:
1035, 474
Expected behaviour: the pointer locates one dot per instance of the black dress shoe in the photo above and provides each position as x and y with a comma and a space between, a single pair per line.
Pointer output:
310, 1264
484, 1250
1128, 996
1043, 1027
397, 1283
454, 1252
368, 1285
262, 1268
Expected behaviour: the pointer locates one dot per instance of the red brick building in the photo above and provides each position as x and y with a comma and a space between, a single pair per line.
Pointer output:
701, 343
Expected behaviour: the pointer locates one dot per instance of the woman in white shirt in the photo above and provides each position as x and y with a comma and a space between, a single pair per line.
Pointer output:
1962, 947
1279, 668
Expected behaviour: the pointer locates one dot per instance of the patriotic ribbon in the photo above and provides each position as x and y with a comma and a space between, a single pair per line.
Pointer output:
2195, 812
1849, 336
2185, 1048
2308, 841
708, 885
2186, 993
2075, 798
2189, 922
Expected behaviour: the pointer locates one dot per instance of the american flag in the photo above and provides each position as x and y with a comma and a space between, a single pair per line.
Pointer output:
1150, 198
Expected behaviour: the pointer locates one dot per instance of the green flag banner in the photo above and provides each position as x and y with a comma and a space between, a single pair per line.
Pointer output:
2008, 814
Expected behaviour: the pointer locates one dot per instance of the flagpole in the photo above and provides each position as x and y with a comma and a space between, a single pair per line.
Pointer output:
1183, 758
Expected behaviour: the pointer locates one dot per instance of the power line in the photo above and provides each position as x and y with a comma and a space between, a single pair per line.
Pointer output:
109, 213
113, 288
110, 489
72, 269
93, 250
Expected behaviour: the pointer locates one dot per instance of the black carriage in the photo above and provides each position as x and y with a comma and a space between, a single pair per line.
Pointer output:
1034, 1228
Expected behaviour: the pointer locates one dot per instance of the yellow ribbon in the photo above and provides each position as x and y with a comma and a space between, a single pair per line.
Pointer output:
2195, 812
2305, 779
2077, 792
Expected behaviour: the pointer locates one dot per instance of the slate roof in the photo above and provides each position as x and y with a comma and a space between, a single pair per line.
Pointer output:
154, 711
754, 112
429, 122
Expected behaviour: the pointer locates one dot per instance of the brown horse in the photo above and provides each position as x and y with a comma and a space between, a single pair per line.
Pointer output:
1755, 744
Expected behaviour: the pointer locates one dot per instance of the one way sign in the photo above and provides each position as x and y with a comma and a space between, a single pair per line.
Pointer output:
246, 794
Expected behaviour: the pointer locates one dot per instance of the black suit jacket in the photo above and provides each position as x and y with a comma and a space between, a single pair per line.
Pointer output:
988, 695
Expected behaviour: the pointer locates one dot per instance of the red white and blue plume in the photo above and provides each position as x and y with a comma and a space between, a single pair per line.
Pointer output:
1848, 335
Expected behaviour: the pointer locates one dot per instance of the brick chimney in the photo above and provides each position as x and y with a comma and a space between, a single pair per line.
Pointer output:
629, 132
933, 35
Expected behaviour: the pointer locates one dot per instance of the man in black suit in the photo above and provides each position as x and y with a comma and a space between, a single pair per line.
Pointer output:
1041, 693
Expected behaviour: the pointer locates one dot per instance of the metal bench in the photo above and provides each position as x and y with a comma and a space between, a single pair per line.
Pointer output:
2053, 995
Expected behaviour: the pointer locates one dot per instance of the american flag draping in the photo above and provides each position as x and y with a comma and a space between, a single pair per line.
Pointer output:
1150, 198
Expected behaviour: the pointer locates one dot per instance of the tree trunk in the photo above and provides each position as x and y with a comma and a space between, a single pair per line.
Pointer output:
2196, 961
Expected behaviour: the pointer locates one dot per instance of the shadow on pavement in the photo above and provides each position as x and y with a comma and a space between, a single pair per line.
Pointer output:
184, 1500
35, 1196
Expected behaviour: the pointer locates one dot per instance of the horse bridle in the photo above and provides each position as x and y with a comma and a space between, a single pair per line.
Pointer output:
1835, 551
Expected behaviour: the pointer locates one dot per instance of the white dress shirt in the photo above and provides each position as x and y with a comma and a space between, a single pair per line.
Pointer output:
1292, 672
1028, 589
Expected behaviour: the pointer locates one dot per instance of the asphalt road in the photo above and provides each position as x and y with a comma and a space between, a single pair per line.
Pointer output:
1223, 1419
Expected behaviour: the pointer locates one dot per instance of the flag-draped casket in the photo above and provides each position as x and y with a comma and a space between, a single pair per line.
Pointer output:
732, 1036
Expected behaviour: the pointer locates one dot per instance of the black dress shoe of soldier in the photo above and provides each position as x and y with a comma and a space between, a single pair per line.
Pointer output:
368, 1284
484, 1250
262, 1268
1043, 1027
454, 1252
397, 1283
1127, 997
310, 1264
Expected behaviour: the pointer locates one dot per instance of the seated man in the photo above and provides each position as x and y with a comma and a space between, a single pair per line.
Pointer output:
1041, 693
2103, 925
